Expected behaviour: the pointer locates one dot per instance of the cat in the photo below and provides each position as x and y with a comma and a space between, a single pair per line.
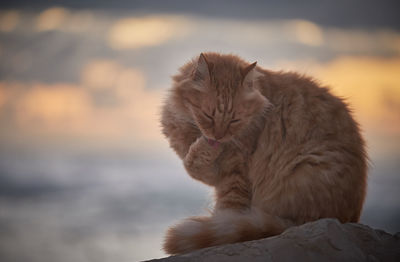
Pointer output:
279, 149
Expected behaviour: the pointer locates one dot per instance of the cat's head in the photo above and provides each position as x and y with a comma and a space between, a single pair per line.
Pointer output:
222, 96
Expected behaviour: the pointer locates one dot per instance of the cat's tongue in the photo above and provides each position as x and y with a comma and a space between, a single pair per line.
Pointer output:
213, 143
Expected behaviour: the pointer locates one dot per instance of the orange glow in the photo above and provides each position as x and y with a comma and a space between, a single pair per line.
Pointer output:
56, 107
370, 85
363, 41
9, 21
3, 97
146, 31
103, 74
305, 32
52, 18
65, 110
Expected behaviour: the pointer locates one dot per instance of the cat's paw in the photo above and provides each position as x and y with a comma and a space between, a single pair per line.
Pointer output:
207, 147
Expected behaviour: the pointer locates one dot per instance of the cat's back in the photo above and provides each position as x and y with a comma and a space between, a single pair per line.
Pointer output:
296, 89
307, 120
310, 142
307, 107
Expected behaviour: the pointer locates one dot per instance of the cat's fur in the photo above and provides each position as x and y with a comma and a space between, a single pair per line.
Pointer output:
289, 151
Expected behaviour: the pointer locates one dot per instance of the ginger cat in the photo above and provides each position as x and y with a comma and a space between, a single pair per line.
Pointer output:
279, 149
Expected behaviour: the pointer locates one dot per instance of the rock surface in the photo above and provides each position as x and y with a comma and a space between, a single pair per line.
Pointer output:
322, 240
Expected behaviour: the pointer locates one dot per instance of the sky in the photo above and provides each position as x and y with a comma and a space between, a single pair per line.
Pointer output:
85, 173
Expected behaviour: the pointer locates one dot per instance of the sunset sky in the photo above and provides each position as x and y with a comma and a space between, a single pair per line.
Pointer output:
85, 173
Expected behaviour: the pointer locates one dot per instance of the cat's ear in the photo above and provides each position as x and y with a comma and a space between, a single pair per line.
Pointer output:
249, 74
252, 96
203, 69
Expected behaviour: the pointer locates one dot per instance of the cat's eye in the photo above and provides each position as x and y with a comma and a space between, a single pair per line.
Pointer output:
234, 121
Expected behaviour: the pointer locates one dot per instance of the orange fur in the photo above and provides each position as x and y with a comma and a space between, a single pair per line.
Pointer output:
290, 152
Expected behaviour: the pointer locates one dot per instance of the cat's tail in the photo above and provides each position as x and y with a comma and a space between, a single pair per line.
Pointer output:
222, 228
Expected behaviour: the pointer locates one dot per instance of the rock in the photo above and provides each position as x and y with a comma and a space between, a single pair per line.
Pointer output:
322, 240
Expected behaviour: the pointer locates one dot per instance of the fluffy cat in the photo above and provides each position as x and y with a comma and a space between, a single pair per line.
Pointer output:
279, 149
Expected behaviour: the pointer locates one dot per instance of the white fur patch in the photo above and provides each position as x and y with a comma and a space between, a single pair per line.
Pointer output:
223, 223
257, 218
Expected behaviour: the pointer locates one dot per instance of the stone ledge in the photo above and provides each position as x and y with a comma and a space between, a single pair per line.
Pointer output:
322, 240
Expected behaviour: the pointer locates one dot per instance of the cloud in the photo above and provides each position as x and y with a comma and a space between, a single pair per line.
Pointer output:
52, 18
107, 74
111, 103
52, 107
137, 106
9, 20
84, 22
362, 41
93, 92
2, 98
66, 20
305, 32
137, 32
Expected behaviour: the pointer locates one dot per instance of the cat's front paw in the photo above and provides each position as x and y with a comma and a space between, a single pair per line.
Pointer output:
206, 146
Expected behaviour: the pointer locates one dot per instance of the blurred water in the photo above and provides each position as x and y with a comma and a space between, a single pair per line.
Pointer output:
60, 207
86, 207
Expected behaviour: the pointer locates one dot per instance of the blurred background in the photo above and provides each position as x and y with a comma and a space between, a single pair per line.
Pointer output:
85, 174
